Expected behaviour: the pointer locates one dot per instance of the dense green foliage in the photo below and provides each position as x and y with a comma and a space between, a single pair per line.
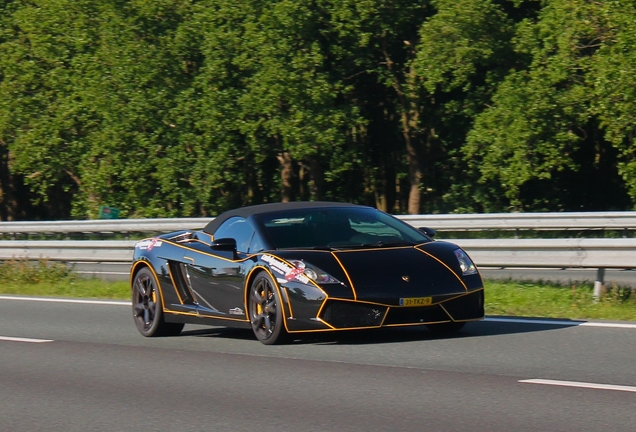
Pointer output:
190, 107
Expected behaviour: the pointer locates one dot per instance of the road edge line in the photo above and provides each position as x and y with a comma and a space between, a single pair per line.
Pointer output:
580, 385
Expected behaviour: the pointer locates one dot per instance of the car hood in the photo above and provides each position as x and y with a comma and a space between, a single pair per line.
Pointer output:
380, 274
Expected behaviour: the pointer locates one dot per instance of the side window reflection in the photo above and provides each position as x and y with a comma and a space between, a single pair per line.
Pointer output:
239, 229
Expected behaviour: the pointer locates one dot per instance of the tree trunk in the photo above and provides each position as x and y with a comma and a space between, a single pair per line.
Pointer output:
407, 90
287, 176
316, 179
384, 188
380, 200
8, 203
415, 176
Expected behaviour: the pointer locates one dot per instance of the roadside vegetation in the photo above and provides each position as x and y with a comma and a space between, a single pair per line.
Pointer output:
509, 298
48, 279
179, 108
542, 299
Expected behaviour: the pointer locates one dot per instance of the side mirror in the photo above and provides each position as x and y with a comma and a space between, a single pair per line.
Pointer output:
430, 232
224, 244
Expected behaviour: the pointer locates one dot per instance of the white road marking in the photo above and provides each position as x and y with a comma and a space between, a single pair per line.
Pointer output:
580, 384
16, 339
533, 321
610, 325
560, 323
63, 300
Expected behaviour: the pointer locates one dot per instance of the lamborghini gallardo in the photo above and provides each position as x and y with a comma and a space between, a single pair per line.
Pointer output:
288, 269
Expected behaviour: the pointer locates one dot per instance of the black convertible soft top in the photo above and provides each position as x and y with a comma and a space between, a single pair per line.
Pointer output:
245, 212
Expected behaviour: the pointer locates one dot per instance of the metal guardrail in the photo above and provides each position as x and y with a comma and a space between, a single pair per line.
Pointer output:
545, 253
96, 251
459, 222
552, 253
526, 221
102, 226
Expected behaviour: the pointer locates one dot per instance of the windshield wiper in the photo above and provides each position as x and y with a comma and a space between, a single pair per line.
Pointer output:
335, 247
324, 248
382, 244
321, 248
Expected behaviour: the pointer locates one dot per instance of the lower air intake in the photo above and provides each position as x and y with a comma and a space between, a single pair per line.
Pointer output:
466, 307
350, 315
416, 315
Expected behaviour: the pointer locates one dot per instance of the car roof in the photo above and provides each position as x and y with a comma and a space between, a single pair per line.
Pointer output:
248, 211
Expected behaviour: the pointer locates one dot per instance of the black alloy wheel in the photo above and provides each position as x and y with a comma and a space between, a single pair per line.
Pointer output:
266, 311
147, 307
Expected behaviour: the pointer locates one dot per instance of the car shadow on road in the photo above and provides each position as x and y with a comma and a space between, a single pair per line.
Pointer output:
399, 334
421, 333
220, 332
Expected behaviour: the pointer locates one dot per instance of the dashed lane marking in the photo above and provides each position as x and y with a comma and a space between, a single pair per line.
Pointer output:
580, 385
17, 339
561, 322
63, 300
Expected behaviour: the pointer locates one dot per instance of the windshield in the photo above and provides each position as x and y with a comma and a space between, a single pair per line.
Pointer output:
336, 228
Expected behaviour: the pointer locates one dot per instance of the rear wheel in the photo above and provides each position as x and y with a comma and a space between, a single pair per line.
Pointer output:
147, 307
266, 311
445, 328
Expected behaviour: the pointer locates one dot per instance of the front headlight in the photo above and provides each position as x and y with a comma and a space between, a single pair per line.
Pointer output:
314, 273
465, 263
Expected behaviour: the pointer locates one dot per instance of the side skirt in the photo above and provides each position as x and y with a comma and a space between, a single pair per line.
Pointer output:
188, 319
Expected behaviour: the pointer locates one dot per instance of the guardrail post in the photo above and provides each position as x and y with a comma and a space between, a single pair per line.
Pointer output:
598, 285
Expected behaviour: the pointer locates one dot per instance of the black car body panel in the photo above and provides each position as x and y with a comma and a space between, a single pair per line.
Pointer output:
321, 286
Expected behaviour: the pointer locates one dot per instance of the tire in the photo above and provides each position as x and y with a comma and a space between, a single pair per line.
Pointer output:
445, 328
266, 311
148, 309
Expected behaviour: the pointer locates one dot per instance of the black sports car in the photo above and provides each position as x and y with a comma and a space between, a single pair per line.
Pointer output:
302, 267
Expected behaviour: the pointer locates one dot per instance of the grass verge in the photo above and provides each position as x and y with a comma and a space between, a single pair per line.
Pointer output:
532, 299
48, 279
510, 298
74, 288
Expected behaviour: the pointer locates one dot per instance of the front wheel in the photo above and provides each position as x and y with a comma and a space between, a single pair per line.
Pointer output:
446, 328
266, 311
147, 307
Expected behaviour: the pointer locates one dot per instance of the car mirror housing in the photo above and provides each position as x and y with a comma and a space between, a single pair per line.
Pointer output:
224, 244
430, 232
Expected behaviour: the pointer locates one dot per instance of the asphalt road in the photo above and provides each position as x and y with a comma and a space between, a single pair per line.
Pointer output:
82, 366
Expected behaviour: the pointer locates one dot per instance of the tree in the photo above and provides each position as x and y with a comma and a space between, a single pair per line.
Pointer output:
540, 140
614, 85
135, 77
374, 47
463, 53
87, 86
42, 119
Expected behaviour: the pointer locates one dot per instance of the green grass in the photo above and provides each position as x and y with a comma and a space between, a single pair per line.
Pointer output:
533, 299
72, 287
528, 299
55, 280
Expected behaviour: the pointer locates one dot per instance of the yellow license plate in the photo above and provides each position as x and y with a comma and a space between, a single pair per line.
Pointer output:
416, 301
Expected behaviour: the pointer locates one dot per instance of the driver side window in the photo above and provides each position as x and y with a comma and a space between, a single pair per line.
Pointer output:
239, 229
